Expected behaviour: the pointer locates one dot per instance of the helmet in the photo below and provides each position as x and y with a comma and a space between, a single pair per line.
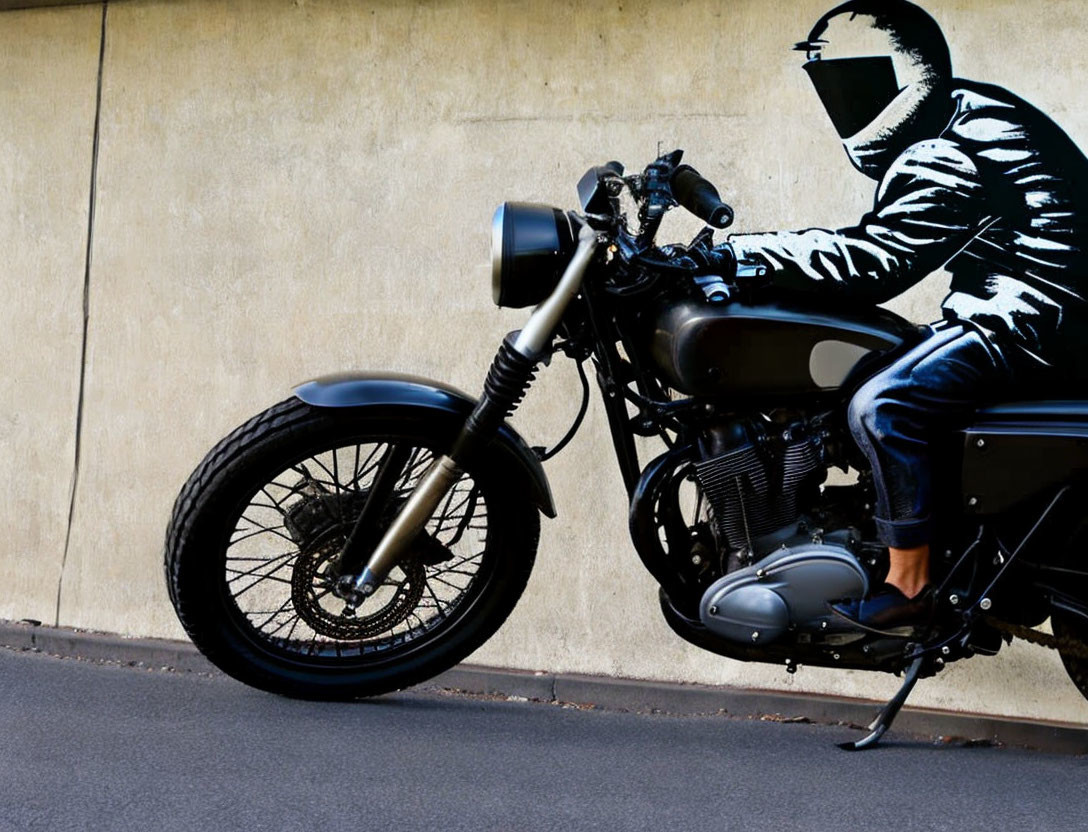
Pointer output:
883, 72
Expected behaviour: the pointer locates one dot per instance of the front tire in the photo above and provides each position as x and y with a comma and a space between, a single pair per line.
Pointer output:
252, 545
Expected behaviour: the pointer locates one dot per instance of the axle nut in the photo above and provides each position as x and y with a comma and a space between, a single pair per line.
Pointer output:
985, 603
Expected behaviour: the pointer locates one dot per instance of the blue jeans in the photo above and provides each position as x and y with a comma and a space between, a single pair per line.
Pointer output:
933, 387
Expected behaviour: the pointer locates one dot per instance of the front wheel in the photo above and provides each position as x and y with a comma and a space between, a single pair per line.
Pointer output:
252, 554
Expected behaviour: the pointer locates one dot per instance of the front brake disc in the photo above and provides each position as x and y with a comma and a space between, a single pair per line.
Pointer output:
312, 594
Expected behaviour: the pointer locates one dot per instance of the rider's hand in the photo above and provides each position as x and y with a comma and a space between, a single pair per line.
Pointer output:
701, 260
722, 261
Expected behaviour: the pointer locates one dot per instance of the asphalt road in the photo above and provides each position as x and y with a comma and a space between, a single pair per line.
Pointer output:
86, 746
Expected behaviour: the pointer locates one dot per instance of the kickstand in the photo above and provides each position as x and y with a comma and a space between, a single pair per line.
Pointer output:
889, 712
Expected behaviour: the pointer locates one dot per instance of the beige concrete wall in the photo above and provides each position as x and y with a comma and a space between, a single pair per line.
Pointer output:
289, 188
48, 74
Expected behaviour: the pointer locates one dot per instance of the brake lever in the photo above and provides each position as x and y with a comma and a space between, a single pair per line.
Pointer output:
704, 237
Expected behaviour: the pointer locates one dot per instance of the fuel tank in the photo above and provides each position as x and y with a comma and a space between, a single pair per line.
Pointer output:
772, 348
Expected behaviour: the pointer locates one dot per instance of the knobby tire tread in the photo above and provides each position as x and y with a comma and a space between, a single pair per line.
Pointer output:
281, 416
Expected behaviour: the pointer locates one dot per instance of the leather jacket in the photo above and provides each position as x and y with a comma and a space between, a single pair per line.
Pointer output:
1000, 198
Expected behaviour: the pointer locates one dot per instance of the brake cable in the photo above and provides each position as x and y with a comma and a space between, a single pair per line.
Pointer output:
544, 455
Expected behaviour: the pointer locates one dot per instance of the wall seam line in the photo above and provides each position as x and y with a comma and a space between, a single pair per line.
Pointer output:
86, 310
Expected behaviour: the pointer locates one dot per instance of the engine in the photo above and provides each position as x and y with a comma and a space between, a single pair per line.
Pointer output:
775, 548
762, 480
758, 476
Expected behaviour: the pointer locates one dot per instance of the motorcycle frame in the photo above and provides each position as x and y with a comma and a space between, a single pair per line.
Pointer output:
967, 586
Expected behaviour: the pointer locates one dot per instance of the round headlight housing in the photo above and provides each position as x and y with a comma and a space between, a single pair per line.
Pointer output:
531, 245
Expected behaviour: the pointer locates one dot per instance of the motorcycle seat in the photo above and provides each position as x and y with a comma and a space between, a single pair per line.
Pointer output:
1017, 451
1040, 410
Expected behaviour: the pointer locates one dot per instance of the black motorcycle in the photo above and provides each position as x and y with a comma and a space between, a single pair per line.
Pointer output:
373, 530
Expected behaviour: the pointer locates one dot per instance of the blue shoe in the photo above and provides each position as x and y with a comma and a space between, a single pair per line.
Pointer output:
889, 611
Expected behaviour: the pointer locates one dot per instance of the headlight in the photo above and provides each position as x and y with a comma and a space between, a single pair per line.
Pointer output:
531, 245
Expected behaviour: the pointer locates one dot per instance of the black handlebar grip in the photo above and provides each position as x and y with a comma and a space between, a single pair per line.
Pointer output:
700, 197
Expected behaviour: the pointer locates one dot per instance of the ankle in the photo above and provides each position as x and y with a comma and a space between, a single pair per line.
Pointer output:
910, 589
908, 570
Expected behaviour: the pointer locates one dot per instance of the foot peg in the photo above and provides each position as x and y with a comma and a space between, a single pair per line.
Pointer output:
889, 712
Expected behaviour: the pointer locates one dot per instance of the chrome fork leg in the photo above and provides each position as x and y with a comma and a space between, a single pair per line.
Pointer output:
509, 378
423, 503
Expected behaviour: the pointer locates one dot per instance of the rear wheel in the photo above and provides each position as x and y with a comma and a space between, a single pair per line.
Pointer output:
252, 554
1068, 627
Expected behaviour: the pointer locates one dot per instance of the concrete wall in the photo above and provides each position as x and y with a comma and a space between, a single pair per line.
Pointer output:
48, 74
290, 188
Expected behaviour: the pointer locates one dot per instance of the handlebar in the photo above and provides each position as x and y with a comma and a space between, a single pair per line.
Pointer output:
697, 195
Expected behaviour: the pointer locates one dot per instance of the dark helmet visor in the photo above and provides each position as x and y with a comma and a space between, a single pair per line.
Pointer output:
854, 91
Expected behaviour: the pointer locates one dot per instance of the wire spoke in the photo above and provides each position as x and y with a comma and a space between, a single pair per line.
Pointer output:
283, 608
437, 603
368, 466
259, 528
291, 632
293, 621
456, 572
333, 481
465, 560
277, 503
447, 583
260, 579
264, 562
269, 577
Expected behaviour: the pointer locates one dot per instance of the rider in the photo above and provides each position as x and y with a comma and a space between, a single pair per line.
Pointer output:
971, 178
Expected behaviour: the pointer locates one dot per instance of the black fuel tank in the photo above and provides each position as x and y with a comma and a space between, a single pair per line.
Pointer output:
786, 348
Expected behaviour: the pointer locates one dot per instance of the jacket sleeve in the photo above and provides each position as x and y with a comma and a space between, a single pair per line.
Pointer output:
928, 207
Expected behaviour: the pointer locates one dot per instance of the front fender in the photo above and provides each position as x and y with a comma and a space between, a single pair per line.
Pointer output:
366, 390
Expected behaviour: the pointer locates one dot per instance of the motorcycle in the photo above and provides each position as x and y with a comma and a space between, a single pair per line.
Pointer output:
373, 530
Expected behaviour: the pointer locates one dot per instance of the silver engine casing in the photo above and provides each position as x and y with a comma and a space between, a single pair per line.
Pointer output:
788, 589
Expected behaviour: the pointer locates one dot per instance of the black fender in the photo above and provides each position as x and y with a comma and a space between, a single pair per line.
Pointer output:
391, 390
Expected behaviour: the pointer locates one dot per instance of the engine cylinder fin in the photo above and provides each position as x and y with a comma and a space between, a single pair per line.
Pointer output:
753, 492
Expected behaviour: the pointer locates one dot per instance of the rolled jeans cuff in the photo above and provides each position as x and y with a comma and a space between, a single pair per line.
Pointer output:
903, 534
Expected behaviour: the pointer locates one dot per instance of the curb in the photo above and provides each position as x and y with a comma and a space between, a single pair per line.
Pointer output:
598, 691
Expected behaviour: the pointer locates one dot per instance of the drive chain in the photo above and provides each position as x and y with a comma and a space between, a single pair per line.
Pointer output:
1067, 646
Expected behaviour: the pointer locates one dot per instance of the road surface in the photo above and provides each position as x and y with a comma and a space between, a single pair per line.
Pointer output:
95, 747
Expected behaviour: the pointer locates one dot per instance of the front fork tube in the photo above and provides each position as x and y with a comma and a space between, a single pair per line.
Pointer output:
507, 381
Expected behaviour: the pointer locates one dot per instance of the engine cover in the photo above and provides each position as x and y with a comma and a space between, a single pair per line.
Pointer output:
789, 588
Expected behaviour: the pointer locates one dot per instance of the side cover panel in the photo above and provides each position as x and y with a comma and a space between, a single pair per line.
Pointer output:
1020, 450
364, 390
